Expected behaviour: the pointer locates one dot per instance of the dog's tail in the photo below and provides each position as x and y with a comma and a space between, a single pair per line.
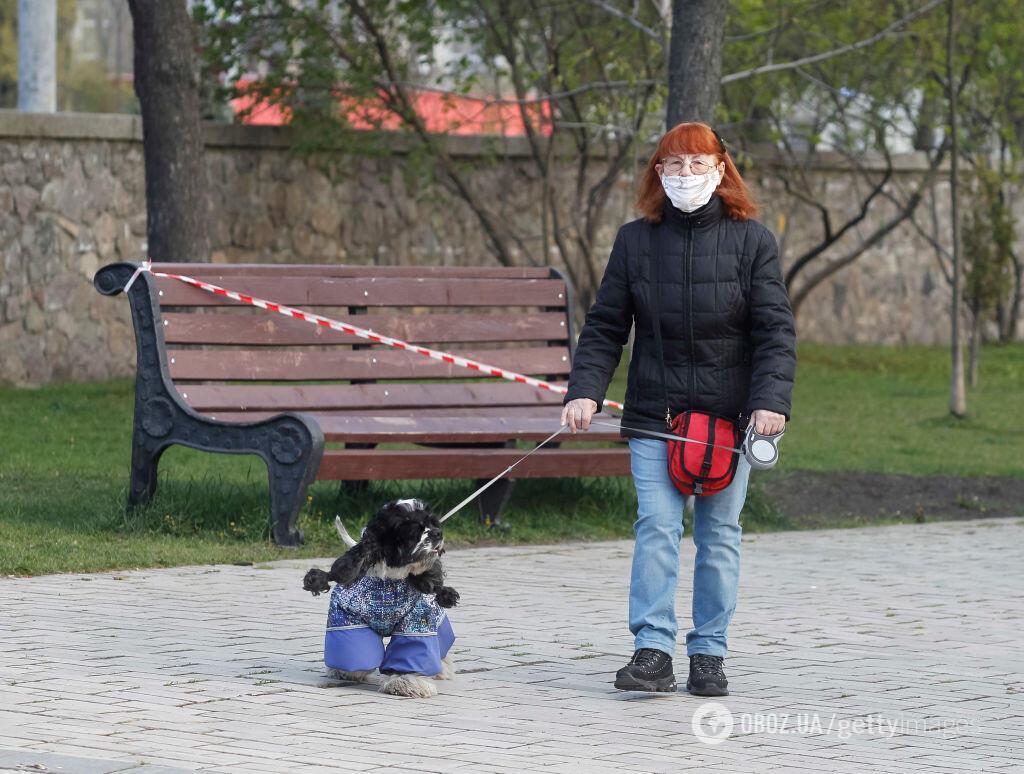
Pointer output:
316, 582
346, 538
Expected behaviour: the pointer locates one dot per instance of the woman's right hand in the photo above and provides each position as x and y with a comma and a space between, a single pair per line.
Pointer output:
577, 413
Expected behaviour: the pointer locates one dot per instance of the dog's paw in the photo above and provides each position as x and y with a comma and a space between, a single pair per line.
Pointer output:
447, 596
316, 582
409, 686
350, 677
447, 669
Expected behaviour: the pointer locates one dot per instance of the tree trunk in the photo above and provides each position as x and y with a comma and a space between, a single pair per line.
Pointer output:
695, 60
37, 56
1009, 313
958, 391
928, 116
975, 349
167, 84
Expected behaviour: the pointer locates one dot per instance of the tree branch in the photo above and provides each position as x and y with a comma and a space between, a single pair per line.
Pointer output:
771, 68
632, 20
876, 236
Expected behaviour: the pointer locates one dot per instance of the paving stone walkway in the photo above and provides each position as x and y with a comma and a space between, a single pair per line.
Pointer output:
887, 649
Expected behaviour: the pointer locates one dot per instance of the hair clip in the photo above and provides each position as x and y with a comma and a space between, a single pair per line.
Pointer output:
721, 142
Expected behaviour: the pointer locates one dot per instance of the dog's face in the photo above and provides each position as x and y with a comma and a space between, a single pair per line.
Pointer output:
403, 537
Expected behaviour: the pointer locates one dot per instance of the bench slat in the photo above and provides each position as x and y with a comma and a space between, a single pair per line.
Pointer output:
545, 412
267, 328
304, 365
392, 464
207, 270
369, 291
453, 428
456, 429
322, 397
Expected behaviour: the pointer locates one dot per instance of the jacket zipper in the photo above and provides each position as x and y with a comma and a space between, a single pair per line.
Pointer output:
689, 314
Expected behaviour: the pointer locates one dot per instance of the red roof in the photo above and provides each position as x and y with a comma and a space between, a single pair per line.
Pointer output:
441, 113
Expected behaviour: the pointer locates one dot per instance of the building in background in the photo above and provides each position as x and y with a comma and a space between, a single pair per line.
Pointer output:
98, 77
102, 35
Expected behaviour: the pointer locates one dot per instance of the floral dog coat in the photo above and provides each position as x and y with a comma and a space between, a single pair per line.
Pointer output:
362, 615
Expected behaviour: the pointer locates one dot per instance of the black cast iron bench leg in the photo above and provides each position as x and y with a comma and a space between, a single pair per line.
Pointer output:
291, 443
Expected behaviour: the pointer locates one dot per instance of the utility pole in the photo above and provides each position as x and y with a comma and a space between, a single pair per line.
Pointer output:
37, 56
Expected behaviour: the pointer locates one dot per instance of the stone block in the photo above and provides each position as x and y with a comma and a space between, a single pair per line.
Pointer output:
276, 198
35, 321
14, 172
70, 228
303, 241
253, 232
129, 246
71, 195
25, 201
325, 218
317, 186
12, 309
137, 224
57, 293
296, 205
105, 230
10, 333
88, 264
65, 323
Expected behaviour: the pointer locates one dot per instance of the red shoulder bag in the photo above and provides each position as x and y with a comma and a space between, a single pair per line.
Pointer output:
703, 462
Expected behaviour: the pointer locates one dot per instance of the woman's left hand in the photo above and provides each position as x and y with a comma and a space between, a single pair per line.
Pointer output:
767, 422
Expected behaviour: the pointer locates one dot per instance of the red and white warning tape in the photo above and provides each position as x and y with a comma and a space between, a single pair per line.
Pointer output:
363, 333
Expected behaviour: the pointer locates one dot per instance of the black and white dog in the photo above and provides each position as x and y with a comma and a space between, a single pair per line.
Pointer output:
390, 583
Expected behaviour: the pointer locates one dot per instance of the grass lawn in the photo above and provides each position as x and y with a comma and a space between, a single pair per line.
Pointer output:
64, 454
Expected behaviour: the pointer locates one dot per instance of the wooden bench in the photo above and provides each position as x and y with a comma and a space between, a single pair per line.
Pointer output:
222, 376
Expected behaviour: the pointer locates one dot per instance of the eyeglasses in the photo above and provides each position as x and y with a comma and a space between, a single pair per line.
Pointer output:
674, 166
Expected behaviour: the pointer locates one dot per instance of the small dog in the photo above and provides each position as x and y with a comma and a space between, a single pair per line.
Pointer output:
390, 584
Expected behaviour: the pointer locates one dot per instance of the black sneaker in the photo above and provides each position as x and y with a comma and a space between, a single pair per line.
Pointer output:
648, 670
707, 677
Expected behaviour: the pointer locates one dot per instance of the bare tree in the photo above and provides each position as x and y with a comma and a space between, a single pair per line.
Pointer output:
858, 143
167, 84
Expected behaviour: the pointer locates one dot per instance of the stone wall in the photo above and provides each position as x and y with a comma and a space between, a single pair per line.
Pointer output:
72, 199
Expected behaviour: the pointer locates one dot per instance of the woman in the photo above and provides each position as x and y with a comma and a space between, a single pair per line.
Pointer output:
729, 344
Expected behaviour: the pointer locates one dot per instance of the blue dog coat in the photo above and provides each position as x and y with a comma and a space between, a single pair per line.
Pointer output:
361, 615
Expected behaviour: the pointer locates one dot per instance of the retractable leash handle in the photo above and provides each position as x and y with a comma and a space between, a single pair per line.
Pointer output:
762, 451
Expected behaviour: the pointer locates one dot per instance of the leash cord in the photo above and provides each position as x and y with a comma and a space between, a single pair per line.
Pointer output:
561, 429
461, 505
667, 436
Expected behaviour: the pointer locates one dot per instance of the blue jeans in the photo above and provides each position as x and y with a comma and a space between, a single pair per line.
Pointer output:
655, 575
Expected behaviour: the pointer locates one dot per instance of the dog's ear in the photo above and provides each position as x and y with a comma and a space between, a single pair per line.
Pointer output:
354, 563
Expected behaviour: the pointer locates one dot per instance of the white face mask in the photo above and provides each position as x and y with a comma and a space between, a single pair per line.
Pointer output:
691, 192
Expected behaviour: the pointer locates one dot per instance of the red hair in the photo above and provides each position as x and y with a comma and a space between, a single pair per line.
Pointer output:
690, 138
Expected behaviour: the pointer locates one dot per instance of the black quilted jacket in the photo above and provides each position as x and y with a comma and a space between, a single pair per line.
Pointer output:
727, 327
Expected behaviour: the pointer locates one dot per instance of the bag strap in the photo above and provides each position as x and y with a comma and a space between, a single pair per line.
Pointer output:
653, 239
709, 451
